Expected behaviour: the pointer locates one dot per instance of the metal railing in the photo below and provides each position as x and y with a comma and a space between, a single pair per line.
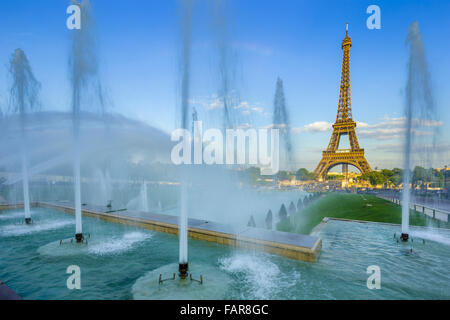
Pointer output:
434, 213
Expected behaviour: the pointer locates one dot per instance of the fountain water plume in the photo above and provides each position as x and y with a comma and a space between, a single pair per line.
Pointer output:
143, 197
103, 196
84, 68
281, 119
23, 95
419, 111
185, 86
226, 64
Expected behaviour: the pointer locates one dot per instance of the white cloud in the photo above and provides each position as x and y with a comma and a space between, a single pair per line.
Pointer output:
362, 124
395, 128
247, 108
244, 126
387, 129
216, 104
318, 126
419, 149
276, 126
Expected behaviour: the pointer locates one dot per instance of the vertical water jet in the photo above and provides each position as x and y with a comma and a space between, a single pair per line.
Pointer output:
83, 68
185, 86
23, 92
226, 70
419, 111
144, 197
281, 120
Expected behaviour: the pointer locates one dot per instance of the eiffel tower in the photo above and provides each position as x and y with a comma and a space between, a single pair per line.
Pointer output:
344, 126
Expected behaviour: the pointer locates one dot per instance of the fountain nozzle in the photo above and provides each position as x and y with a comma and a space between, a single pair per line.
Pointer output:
79, 237
183, 274
404, 237
183, 270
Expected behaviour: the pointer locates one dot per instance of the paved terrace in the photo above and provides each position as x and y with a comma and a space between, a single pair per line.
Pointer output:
295, 246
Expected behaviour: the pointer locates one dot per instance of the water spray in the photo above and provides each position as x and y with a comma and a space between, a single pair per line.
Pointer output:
281, 119
24, 92
185, 87
419, 108
83, 68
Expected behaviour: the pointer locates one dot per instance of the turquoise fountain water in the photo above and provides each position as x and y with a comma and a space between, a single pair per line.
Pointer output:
111, 267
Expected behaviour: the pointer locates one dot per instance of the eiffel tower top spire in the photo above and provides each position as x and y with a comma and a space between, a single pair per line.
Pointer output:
344, 113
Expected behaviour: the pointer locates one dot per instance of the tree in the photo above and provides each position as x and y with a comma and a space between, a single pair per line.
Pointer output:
282, 214
303, 174
397, 177
269, 220
254, 174
419, 175
422, 176
438, 177
374, 177
284, 175
387, 173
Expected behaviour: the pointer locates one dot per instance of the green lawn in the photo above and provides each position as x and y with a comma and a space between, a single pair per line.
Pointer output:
355, 207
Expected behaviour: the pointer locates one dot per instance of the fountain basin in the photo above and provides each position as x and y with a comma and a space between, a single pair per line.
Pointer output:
119, 256
295, 246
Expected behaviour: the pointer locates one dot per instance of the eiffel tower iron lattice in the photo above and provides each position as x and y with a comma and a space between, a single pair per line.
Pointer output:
344, 126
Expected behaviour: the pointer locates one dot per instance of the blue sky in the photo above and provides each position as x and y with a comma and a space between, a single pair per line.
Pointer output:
299, 41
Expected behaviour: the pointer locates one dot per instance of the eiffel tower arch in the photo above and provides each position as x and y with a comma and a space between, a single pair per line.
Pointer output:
343, 126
